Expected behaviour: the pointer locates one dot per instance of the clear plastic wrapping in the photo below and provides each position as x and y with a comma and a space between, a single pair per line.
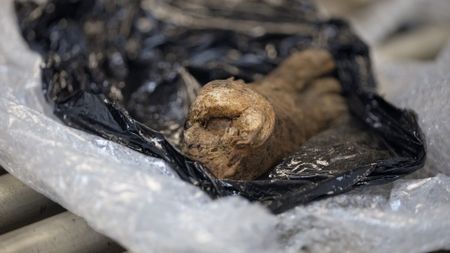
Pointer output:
138, 200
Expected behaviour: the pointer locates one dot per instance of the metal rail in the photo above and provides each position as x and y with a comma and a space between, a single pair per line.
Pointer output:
64, 232
20, 205
30, 222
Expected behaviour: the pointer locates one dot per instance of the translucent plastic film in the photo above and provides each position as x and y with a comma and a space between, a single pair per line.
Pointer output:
138, 201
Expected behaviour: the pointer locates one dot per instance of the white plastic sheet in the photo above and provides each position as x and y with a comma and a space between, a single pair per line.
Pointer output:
139, 202
425, 88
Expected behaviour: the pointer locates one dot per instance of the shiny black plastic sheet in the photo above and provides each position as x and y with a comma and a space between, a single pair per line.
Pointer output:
115, 69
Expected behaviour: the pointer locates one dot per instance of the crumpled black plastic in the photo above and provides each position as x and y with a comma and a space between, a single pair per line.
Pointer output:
112, 68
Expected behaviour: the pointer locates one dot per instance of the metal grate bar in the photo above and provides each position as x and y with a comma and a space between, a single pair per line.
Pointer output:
64, 232
30, 222
20, 205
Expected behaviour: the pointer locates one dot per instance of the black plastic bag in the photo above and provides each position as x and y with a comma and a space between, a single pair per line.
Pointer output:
110, 65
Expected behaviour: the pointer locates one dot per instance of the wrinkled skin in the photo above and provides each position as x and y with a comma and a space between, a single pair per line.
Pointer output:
240, 131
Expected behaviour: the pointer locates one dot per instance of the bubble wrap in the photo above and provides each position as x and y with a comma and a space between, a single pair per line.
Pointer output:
139, 202
425, 88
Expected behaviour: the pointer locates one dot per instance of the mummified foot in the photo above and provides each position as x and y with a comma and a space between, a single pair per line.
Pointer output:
239, 131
